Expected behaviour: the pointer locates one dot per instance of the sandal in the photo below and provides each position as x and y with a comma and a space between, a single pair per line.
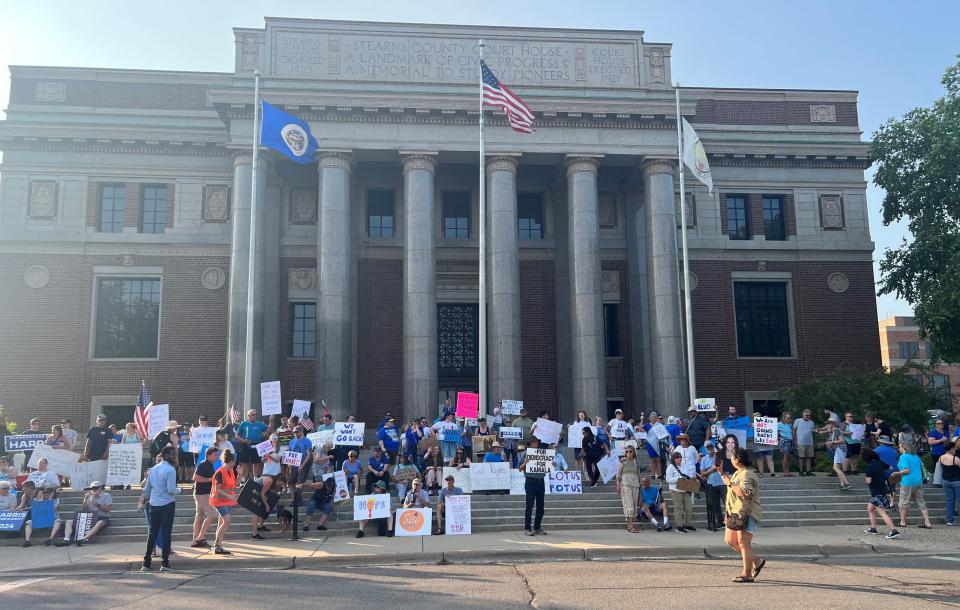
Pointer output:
633, 530
756, 570
925, 527
742, 579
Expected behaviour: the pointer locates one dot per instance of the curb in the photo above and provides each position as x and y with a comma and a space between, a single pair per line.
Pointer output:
332, 561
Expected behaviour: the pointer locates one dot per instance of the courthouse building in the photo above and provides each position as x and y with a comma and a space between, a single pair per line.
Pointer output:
124, 219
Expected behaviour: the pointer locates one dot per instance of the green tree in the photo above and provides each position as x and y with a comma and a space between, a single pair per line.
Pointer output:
894, 396
918, 165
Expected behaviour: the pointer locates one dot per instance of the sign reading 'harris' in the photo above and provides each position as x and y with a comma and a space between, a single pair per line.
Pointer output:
452, 59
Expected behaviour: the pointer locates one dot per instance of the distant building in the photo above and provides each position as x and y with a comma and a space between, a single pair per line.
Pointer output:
901, 345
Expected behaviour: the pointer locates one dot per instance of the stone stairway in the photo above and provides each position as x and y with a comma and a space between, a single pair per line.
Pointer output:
787, 502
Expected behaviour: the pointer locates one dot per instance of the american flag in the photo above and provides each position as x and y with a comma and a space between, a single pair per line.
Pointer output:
498, 95
326, 411
141, 416
234, 414
306, 422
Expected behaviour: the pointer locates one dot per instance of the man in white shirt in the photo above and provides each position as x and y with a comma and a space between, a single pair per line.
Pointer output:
95, 501
7, 499
617, 426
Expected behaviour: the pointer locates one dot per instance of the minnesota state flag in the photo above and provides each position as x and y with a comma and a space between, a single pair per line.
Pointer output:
287, 134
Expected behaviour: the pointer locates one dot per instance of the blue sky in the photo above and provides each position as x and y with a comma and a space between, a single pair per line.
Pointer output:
894, 53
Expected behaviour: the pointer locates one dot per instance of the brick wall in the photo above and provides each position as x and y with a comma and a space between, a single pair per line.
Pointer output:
755, 204
746, 112
538, 347
380, 340
833, 331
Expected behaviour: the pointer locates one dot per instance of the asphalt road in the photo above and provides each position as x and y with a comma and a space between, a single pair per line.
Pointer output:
844, 582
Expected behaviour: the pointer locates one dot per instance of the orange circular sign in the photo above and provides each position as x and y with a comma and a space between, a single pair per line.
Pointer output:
411, 520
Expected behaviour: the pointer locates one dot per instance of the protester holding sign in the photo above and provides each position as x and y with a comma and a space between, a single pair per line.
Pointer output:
404, 473
852, 438
249, 434
575, 438
96, 502
202, 483
593, 451
44, 507
785, 434
764, 442
389, 440
535, 488
433, 464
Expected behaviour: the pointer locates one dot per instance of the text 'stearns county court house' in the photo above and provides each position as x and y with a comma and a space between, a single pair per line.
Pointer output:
125, 209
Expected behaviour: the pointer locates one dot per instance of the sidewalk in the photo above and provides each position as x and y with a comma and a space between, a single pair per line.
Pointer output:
487, 547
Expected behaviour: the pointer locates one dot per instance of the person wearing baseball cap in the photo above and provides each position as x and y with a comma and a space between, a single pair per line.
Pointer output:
97, 502
450, 489
384, 524
698, 427
99, 439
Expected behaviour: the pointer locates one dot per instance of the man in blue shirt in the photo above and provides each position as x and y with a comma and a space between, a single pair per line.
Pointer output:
389, 440
495, 455
304, 446
653, 504
377, 470
160, 492
249, 435
888, 455
911, 485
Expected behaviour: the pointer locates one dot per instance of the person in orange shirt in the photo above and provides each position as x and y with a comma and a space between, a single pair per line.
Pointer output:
223, 497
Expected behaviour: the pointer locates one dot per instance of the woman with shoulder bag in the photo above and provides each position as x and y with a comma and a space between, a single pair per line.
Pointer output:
743, 514
682, 500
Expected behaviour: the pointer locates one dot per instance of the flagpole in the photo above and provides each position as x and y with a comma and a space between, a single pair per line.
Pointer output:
482, 389
251, 266
691, 371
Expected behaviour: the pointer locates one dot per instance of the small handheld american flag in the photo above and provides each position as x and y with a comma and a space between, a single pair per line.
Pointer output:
141, 416
306, 422
496, 94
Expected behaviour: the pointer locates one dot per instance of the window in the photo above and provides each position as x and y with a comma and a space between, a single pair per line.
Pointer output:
127, 318
112, 201
530, 215
763, 324
909, 350
738, 217
153, 218
928, 350
380, 214
940, 386
774, 227
304, 340
456, 215
611, 329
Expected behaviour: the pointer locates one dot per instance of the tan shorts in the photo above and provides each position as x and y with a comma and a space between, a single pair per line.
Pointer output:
805, 451
912, 492
203, 506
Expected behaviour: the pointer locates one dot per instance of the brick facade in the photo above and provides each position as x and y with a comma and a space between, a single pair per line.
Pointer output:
755, 112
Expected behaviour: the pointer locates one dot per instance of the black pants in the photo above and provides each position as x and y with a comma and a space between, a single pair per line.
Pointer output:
714, 506
592, 471
535, 488
372, 480
161, 517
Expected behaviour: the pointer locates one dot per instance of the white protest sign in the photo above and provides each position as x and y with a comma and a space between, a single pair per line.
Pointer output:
85, 473
489, 475
565, 483
456, 509
575, 434
511, 407
608, 468
620, 446
348, 434
300, 408
640, 435
539, 460
124, 464
321, 438
340, 478
291, 458
660, 431
518, 482
548, 431
157, 418
413, 522
490, 419
706, 404
857, 431
765, 431
270, 398
202, 437
264, 448
59, 461
461, 477
508, 432
376, 506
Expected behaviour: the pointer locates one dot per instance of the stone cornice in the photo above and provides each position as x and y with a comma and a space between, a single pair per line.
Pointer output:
765, 160
652, 167
111, 145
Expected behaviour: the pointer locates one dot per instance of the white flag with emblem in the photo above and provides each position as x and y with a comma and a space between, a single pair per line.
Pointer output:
694, 157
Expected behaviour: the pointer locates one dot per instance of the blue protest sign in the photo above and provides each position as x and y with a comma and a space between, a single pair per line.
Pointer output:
42, 513
23, 442
12, 520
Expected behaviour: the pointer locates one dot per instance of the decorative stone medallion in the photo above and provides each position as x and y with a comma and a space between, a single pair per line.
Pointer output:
694, 281
823, 113
216, 203
691, 202
50, 92
831, 212
761, 265
302, 283
43, 199
303, 206
212, 278
36, 276
838, 282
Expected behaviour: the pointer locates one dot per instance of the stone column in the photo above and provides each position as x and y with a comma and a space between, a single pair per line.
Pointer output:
333, 379
663, 290
636, 225
419, 284
503, 282
239, 268
586, 297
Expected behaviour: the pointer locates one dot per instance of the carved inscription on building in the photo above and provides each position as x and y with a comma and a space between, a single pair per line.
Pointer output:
419, 59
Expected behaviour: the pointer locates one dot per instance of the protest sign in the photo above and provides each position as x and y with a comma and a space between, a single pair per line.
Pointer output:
518, 482
300, 408
201, 437
11, 520
660, 431
706, 404
491, 420
511, 407
483, 443
540, 460
23, 442
765, 431
83, 523
291, 458
42, 513
857, 431
461, 477
468, 404
489, 475
285, 437
59, 461
456, 511
157, 418
321, 438
413, 522
376, 506
508, 432
741, 437
620, 446
565, 483
640, 435
123, 465
470, 423
575, 434
264, 448
342, 492
348, 434
547, 431
608, 468
84, 473
270, 398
